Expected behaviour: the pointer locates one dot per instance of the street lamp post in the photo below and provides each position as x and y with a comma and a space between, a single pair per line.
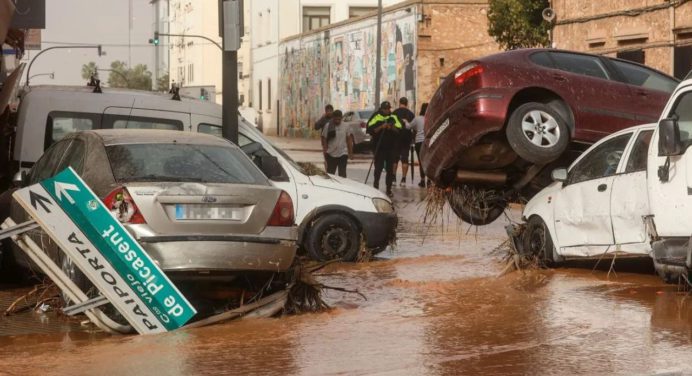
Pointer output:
28, 70
51, 75
155, 40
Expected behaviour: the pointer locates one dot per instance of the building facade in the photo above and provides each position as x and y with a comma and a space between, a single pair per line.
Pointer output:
274, 20
195, 63
657, 33
422, 42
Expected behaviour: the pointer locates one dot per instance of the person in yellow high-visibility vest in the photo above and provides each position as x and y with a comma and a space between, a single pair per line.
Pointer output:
384, 128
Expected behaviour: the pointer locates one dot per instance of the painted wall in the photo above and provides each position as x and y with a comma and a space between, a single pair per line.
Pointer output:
345, 78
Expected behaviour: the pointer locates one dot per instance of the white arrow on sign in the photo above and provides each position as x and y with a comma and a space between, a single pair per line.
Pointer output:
61, 189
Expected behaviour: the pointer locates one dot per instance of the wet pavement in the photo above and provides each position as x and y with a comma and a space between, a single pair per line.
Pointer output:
434, 306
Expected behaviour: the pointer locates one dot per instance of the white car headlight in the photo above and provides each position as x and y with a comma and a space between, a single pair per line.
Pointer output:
382, 205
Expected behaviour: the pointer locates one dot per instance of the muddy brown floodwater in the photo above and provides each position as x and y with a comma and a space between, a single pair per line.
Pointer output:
433, 307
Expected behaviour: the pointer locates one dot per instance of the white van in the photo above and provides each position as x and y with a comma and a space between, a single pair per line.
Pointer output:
630, 193
334, 214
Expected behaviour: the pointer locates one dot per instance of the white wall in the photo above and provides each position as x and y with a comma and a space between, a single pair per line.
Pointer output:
273, 20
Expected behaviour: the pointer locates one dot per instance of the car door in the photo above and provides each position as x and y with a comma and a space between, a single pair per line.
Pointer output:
650, 89
596, 98
582, 208
630, 199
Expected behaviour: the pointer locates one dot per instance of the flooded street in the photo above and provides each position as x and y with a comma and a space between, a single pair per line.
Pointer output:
434, 306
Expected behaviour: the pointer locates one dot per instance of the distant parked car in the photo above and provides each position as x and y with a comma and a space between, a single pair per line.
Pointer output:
196, 203
358, 121
496, 122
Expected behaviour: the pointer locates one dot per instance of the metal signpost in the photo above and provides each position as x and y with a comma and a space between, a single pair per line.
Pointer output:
76, 219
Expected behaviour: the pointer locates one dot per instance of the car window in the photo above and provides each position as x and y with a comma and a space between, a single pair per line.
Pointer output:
600, 162
60, 124
46, 166
580, 64
646, 78
682, 111
74, 157
135, 122
637, 160
182, 163
212, 129
365, 115
348, 116
542, 59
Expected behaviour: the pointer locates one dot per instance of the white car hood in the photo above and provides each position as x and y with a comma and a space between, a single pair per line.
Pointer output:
347, 185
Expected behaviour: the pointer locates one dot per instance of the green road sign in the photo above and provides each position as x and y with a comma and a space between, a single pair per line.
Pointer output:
119, 248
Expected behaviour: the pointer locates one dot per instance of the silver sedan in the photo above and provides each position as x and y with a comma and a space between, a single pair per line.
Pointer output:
195, 202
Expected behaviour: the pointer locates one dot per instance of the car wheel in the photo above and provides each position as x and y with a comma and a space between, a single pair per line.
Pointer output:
70, 269
333, 236
537, 133
476, 206
536, 241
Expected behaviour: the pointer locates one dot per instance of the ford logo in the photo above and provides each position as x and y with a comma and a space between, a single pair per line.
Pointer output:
208, 199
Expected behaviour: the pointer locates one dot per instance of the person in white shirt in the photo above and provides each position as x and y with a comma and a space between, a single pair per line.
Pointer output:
337, 144
418, 127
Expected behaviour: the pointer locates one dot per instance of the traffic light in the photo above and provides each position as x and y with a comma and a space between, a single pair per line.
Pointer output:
155, 40
203, 94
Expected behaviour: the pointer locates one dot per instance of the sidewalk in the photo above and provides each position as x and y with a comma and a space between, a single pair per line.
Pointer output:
296, 143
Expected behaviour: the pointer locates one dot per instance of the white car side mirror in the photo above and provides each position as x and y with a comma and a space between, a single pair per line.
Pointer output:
559, 175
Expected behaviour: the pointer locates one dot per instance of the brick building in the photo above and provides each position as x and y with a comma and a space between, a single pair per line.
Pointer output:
657, 33
422, 42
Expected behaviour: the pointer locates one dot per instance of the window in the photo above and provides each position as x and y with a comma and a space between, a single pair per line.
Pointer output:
542, 59
74, 157
46, 165
636, 56
240, 70
580, 64
60, 124
315, 17
212, 129
136, 122
260, 95
644, 77
168, 162
637, 160
682, 110
360, 11
190, 73
682, 61
269, 93
600, 162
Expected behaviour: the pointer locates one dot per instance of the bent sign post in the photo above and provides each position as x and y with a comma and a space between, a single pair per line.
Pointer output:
76, 219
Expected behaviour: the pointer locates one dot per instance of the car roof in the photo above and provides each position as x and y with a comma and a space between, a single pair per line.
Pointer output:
154, 136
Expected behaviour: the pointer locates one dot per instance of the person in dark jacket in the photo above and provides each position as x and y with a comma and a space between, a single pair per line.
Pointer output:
405, 138
321, 122
384, 127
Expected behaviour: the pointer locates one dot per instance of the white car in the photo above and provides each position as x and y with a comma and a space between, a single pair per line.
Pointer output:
333, 213
597, 206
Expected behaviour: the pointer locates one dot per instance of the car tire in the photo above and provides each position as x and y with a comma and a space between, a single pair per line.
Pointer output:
537, 133
333, 236
537, 242
479, 213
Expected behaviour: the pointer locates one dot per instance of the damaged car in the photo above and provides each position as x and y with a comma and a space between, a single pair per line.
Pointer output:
497, 125
196, 203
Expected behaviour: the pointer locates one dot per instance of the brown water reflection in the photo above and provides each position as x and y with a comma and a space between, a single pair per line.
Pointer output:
435, 308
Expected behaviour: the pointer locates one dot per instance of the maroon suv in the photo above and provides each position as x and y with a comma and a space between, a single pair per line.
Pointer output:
496, 122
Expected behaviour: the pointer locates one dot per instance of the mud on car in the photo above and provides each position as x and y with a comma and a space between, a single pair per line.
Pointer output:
497, 125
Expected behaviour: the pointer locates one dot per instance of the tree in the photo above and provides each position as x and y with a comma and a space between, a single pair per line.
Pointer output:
163, 83
138, 77
518, 23
89, 69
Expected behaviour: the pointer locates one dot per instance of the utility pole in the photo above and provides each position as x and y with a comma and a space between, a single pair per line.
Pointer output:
378, 59
231, 31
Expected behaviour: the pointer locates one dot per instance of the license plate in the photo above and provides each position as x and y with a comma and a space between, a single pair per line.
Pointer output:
439, 131
207, 212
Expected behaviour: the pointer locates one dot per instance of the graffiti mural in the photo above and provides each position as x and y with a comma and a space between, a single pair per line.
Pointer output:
338, 67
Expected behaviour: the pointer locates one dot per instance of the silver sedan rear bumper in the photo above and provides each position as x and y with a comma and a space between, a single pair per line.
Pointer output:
273, 250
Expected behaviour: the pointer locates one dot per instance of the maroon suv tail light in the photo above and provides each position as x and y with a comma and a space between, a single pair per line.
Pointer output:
466, 72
